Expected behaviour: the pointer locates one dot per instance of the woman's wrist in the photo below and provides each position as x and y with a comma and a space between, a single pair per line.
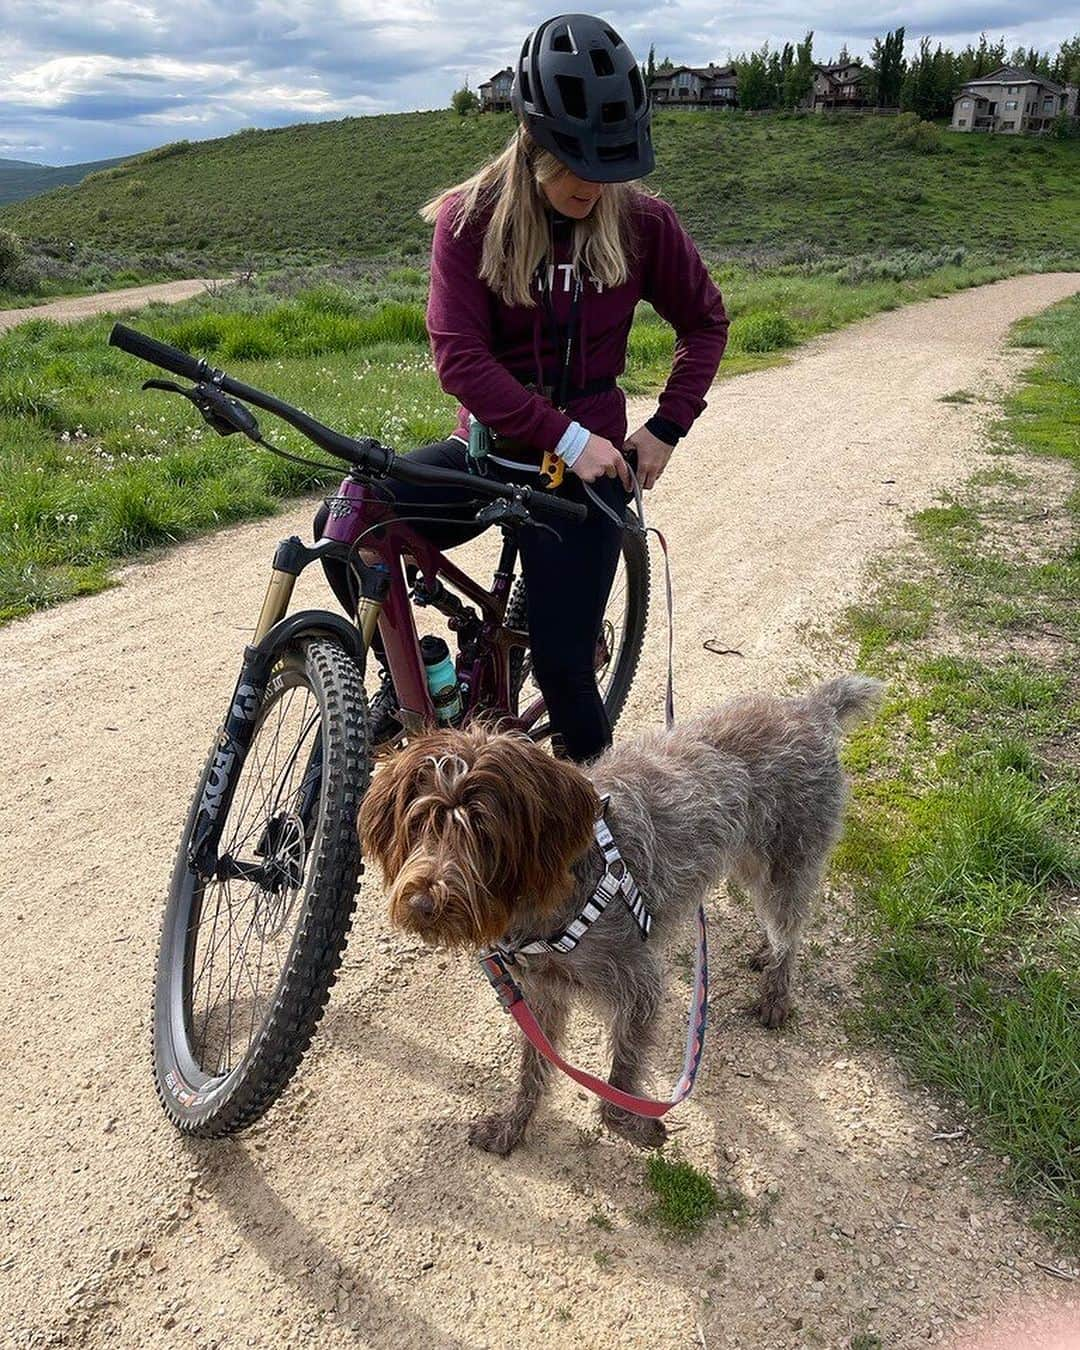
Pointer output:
664, 429
572, 442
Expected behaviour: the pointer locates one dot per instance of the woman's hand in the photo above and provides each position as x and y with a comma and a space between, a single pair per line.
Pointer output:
652, 456
601, 459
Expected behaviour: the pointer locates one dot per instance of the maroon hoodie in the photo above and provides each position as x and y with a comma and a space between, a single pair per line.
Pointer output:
486, 351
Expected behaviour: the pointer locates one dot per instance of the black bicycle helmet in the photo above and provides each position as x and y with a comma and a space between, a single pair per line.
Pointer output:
579, 92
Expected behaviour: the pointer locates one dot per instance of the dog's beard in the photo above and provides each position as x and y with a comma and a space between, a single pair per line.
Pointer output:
445, 902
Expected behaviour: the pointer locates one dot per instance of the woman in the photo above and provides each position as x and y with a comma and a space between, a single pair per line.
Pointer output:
537, 263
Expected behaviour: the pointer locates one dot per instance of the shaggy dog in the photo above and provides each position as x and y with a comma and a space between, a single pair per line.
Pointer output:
483, 838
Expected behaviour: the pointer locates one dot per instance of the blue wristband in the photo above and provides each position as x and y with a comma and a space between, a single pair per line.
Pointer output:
571, 443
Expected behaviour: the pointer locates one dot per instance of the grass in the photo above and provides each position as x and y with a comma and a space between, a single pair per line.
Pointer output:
745, 185
686, 1199
96, 470
964, 840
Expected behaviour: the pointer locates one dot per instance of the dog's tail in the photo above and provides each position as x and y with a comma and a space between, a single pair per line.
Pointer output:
849, 698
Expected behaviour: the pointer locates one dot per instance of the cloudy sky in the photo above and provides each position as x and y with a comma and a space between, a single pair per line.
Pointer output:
89, 79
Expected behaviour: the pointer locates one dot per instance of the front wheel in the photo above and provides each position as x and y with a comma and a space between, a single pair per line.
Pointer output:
248, 954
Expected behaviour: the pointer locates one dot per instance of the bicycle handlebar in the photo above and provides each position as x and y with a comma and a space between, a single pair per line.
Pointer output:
159, 353
365, 453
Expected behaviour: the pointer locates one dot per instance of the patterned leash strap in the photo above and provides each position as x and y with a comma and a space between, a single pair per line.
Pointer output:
637, 524
509, 994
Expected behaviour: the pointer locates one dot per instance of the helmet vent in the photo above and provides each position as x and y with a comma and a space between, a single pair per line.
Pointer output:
637, 87
613, 112
613, 37
602, 62
613, 153
562, 41
570, 145
572, 93
526, 91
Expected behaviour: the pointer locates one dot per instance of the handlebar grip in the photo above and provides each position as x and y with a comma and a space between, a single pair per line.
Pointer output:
158, 353
544, 502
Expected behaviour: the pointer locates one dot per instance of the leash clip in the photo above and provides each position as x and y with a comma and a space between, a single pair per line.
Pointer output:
495, 966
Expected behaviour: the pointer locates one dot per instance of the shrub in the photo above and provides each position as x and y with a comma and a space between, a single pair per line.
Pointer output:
24, 279
903, 265
910, 133
106, 175
464, 101
11, 256
161, 152
762, 333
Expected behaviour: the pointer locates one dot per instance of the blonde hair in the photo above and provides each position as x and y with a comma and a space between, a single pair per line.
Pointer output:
518, 235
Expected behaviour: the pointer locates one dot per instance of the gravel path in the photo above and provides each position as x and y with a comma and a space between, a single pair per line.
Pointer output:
74, 307
355, 1214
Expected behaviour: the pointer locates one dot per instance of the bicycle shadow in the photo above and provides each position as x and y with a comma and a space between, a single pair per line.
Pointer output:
319, 1273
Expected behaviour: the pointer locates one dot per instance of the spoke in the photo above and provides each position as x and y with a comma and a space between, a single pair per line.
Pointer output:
267, 808
243, 936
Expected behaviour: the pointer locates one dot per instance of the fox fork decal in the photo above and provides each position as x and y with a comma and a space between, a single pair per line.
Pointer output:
232, 747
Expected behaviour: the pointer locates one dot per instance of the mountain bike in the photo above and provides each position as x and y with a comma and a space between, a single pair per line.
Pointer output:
266, 875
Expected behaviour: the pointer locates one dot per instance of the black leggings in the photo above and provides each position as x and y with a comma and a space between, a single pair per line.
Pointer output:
567, 580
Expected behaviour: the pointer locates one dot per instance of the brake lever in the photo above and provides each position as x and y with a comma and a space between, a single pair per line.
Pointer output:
511, 514
226, 415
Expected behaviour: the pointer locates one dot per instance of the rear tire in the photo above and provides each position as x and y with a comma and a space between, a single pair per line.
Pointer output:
625, 621
306, 852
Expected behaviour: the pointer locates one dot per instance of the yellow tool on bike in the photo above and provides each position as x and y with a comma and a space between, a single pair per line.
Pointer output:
552, 467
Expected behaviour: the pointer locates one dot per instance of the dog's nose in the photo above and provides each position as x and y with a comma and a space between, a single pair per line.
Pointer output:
424, 906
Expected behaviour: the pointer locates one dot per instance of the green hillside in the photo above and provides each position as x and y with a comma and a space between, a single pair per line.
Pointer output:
20, 179
744, 184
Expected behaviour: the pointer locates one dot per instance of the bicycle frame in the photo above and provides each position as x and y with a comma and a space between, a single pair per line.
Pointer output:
483, 666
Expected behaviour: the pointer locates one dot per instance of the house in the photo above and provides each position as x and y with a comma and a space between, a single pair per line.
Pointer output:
1010, 101
839, 87
495, 93
695, 87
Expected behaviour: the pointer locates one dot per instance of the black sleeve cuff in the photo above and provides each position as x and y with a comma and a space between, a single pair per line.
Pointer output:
665, 430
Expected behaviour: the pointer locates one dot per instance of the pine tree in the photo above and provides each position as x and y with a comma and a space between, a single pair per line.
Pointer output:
799, 78
887, 62
1066, 65
776, 80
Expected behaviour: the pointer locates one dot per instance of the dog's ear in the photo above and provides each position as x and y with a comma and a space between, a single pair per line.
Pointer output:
567, 832
547, 808
380, 811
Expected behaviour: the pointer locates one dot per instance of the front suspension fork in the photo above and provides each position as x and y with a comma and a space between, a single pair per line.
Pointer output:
273, 633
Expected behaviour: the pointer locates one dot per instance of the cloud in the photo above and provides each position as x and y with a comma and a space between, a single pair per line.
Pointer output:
83, 80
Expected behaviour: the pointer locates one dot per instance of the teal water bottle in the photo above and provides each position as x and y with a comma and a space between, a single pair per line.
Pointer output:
442, 679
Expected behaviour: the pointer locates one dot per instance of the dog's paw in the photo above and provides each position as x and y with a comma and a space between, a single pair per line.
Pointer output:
774, 1010
499, 1134
643, 1131
761, 958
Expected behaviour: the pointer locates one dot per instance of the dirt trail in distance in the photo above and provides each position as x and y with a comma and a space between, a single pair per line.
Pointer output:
355, 1214
70, 308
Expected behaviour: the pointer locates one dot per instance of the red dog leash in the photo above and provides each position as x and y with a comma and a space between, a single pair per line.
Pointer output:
496, 967
496, 963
